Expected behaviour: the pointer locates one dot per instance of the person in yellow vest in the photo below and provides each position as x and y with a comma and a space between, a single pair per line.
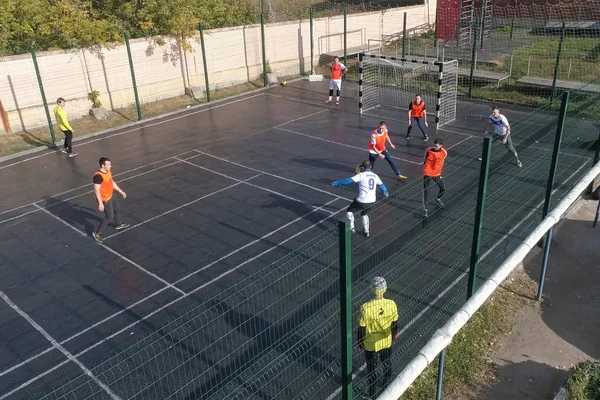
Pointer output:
104, 187
63, 123
432, 171
337, 71
377, 331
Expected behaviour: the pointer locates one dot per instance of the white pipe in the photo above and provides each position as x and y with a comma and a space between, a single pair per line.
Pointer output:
443, 336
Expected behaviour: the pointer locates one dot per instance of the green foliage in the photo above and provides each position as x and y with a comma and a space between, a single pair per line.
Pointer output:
584, 381
69, 24
94, 97
467, 356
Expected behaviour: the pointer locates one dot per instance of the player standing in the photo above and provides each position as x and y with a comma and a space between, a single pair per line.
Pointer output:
432, 171
501, 131
104, 186
337, 71
368, 182
417, 112
379, 137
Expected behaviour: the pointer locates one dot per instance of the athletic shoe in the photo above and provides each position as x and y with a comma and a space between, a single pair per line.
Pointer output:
401, 177
407, 137
97, 237
337, 103
439, 202
73, 155
519, 164
357, 170
425, 213
64, 151
122, 226
327, 101
480, 159
426, 138
367, 235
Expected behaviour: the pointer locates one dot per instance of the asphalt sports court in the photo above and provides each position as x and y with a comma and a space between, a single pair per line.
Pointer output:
216, 195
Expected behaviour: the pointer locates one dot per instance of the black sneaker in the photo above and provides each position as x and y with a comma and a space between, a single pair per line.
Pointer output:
367, 234
97, 237
439, 203
407, 137
122, 226
426, 138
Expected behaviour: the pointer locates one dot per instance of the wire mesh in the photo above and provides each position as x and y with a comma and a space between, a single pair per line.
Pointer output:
393, 83
519, 53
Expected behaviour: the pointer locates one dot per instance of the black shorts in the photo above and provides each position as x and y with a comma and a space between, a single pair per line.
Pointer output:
357, 206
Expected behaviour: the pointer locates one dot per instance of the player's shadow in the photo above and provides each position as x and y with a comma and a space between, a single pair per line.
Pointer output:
79, 216
347, 170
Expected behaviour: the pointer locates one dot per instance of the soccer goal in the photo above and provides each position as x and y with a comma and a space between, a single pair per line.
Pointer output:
394, 82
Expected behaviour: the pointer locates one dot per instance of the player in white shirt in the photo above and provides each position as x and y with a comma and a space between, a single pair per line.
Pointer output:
368, 182
501, 131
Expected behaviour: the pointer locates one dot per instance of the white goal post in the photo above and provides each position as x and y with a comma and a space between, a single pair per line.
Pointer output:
393, 82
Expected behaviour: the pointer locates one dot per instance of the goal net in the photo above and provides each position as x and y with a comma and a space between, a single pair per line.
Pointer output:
394, 82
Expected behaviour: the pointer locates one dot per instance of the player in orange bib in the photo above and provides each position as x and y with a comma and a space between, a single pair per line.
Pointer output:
377, 149
337, 72
432, 171
417, 114
104, 187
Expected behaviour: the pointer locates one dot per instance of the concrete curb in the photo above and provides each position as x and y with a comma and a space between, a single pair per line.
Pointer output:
562, 394
137, 123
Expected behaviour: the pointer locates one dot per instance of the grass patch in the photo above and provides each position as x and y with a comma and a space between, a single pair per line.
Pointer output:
468, 356
21, 141
584, 381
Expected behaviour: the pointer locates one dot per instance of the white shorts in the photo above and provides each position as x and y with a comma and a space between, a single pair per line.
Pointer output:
335, 84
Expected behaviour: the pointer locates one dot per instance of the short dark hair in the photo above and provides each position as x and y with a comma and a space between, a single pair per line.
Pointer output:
418, 95
438, 141
382, 123
495, 108
103, 161
60, 100
366, 164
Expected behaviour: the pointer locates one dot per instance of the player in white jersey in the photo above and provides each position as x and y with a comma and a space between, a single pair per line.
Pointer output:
368, 182
501, 131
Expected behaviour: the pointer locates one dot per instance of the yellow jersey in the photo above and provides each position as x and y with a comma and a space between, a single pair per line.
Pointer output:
377, 317
61, 119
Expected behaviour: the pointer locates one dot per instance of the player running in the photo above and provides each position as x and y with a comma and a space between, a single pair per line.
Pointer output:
432, 171
501, 131
368, 181
337, 71
377, 149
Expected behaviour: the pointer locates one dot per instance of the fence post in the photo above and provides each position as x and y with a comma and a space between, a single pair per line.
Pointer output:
345, 34
135, 91
201, 29
483, 9
264, 51
42, 93
479, 211
512, 22
590, 188
550, 187
345, 244
558, 56
438, 392
404, 38
473, 57
312, 44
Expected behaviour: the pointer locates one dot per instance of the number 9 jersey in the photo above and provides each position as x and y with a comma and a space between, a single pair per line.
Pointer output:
367, 186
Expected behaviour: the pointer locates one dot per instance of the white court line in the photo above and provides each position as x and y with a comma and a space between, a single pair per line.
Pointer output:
84, 351
245, 182
56, 345
457, 143
298, 119
122, 257
138, 127
342, 144
238, 182
273, 175
461, 276
459, 133
91, 191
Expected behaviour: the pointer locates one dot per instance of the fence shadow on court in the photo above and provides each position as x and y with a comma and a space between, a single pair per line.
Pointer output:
83, 217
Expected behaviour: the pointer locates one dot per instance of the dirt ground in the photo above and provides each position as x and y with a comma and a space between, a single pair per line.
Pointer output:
546, 339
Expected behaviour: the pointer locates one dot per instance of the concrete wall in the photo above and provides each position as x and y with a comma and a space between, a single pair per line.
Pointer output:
234, 56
